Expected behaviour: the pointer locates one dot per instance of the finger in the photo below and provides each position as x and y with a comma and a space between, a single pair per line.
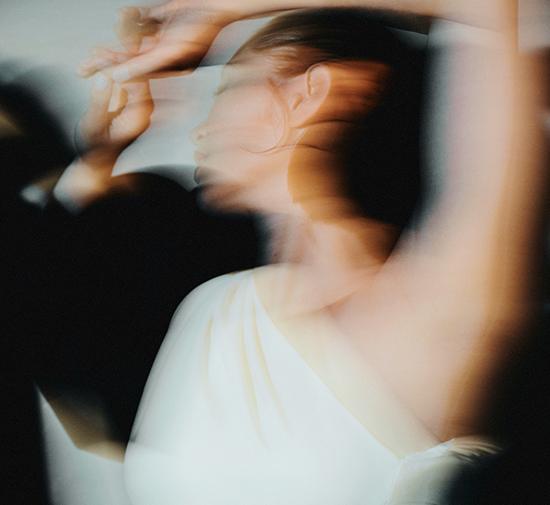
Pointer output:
132, 26
100, 59
90, 65
119, 98
107, 57
137, 14
148, 44
162, 12
137, 90
98, 62
100, 93
126, 127
157, 14
131, 93
167, 58
140, 99
134, 119
97, 117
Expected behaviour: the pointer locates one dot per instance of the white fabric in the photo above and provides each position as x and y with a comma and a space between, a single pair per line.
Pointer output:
233, 414
74, 476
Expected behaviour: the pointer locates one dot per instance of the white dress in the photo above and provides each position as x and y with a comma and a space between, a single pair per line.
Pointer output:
234, 414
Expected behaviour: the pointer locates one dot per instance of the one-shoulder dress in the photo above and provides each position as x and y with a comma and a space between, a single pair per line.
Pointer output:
233, 413
236, 414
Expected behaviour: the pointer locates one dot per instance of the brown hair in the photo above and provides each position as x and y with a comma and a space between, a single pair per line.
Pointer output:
381, 154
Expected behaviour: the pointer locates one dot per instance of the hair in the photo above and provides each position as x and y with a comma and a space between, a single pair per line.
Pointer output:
380, 155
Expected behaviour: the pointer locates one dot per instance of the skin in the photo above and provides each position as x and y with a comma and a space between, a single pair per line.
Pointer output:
185, 29
242, 150
445, 308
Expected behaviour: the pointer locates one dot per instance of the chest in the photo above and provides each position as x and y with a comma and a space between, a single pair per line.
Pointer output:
433, 356
234, 414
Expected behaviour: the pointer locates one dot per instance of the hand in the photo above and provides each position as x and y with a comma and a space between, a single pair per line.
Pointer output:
177, 34
116, 114
174, 36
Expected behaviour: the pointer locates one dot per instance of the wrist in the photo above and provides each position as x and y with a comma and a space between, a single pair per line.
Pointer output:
84, 181
75, 187
101, 160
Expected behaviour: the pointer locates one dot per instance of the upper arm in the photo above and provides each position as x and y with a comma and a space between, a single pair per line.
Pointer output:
475, 239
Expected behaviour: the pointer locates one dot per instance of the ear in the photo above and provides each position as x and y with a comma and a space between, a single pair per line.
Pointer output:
307, 94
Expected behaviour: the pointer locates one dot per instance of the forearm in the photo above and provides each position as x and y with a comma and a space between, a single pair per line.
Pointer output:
491, 14
86, 180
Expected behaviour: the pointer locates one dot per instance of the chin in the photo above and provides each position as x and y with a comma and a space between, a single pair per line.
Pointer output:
213, 197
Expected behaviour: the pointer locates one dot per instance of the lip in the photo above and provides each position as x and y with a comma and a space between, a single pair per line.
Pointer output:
199, 157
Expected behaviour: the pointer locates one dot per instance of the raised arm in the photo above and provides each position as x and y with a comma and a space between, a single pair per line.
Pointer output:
116, 115
481, 234
466, 276
476, 236
179, 33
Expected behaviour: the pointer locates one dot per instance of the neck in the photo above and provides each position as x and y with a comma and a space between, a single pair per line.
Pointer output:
326, 261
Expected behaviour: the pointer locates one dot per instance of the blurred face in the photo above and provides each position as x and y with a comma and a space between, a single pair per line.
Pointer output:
243, 145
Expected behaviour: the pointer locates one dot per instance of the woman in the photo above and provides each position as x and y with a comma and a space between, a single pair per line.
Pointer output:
339, 373
256, 359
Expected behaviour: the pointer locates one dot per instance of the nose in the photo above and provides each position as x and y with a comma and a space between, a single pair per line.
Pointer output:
197, 133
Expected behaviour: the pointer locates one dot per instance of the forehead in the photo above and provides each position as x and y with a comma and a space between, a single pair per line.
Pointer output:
250, 68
